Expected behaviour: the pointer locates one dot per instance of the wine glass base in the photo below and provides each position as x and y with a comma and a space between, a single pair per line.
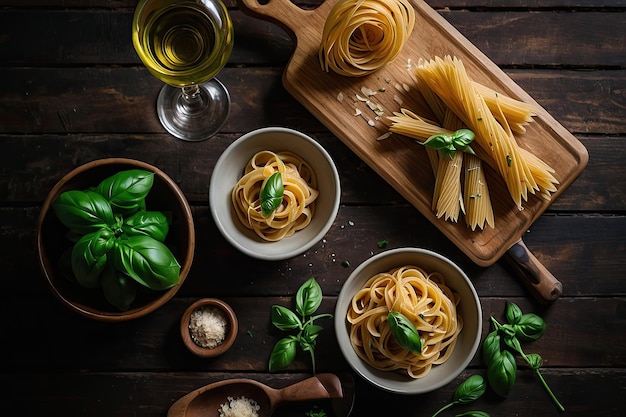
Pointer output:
194, 118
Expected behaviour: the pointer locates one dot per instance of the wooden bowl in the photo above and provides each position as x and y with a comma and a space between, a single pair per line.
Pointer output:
165, 195
232, 327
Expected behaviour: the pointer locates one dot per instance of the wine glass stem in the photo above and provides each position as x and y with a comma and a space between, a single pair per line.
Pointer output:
192, 98
195, 112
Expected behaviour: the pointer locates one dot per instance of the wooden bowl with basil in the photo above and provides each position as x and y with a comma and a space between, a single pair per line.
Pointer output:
115, 239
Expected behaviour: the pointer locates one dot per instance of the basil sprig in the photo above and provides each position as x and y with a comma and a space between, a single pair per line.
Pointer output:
271, 195
404, 332
504, 340
117, 244
448, 144
308, 300
468, 391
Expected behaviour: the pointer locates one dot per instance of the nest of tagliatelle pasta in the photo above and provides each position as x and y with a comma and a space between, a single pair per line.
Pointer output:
424, 300
360, 36
276, 195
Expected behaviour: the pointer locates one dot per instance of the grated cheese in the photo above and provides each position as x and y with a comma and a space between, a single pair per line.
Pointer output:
239, 407
207, 326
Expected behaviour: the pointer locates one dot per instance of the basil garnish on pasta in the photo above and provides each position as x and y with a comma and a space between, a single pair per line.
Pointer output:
426, 304
276, 196
404, 332
271, 194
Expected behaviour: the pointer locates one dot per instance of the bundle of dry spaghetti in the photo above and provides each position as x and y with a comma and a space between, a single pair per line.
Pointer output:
493, 117
424, 299
360, 36
299, 195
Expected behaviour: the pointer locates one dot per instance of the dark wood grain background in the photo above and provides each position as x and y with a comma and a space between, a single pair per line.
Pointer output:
73, 90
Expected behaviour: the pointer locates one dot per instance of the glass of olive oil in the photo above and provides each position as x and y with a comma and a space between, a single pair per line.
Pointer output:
185, 43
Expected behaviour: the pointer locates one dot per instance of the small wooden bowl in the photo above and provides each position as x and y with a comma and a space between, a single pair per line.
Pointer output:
51, 241
232, 328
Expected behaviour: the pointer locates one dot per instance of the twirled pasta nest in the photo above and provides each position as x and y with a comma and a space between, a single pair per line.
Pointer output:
300, 194
425, 299
362, 36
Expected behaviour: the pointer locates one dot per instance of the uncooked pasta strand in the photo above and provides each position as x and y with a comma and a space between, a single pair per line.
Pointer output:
447, 198
407, 123
478, 209
517, 113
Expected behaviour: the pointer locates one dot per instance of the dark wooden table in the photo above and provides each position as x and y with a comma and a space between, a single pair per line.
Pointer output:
73, 90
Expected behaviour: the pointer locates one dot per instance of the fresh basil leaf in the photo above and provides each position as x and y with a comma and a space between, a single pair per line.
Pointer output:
491, 346
501, 373
283, 353
285, 319
530, 327
448, 144
513, 313
89, 257
443, 143
462, 139
150, 223
404, 332
470, 390
118, 289
147, 261
271, 195
127, 190
308, 297
83, 212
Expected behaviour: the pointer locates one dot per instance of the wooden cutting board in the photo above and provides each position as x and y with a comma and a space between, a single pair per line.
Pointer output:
402, 162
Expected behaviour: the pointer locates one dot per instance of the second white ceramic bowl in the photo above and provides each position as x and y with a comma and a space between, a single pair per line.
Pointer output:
229, 169
469, 309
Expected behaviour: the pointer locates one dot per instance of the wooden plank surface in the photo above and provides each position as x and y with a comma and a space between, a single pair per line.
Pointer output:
84, 95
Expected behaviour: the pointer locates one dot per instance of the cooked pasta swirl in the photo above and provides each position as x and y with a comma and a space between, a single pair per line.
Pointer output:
424, 299
360, 36
300, 192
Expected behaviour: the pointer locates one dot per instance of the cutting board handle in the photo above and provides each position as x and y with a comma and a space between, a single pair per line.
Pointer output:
284, 13
544, 286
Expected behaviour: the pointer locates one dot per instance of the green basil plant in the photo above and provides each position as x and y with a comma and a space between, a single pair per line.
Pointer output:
302, 321
117, 244
504, 341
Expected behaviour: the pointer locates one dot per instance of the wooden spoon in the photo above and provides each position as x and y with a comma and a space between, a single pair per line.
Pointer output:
206, 401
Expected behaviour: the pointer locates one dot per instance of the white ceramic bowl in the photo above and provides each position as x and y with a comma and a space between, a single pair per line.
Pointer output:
469, 309
229, 169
